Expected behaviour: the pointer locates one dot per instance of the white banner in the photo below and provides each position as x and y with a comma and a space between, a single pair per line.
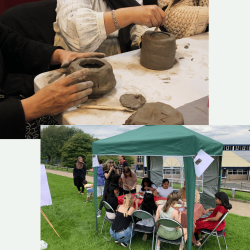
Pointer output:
201, 162
95, 162
45, 192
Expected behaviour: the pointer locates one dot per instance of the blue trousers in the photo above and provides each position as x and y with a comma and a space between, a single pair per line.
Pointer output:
123, 236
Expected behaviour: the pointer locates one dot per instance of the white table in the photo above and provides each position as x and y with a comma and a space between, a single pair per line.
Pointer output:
188, 82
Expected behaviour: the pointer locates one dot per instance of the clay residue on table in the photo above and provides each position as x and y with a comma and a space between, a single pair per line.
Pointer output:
156, 114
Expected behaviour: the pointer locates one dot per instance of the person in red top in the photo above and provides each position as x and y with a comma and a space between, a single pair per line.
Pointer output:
213, 219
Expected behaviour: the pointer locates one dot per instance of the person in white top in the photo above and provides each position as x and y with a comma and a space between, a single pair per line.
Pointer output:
129, 180
83, 25
165, 190
147, 185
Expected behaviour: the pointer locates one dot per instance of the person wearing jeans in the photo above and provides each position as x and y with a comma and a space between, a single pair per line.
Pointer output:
121, 230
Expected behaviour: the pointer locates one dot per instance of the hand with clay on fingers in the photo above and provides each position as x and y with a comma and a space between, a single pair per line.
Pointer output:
65, 57
58, 96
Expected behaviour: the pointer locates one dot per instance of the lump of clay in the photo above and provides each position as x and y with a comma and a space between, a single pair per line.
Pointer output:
132, 101
156, 113
101, 74
158, 50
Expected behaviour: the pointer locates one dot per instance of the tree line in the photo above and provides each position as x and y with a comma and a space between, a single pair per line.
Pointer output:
67, 143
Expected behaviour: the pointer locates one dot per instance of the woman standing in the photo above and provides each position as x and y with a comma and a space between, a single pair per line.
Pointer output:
79, 174
109, 171
129, 180
100, 179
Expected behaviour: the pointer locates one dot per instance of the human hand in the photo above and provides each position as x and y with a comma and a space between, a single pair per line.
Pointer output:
111, 168
207, 211
149, 15
137, 201
58, 96
65, 57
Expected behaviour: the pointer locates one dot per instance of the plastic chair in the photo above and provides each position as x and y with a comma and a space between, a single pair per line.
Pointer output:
107, 206
215, 233
142, 229
167, 222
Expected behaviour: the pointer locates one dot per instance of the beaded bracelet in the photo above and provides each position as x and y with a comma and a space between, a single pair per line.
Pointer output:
114, 19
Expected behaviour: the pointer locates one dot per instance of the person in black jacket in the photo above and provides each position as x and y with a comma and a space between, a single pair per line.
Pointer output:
21, 55
79, 174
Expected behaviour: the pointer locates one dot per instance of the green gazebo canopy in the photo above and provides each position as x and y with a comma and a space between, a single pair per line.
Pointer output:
161, 141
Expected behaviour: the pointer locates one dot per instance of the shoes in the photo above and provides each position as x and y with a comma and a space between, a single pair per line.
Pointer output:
124, 244
145, 236
117, 242
99, 213
91, 201
85, 201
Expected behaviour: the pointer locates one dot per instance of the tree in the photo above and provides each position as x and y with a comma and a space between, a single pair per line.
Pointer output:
53, 139
80, 144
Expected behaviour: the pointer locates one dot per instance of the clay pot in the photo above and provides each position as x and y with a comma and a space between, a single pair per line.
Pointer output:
101, 74
158, 50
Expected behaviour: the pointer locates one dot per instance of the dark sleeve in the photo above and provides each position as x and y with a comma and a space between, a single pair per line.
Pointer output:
125, 164
84, 169
21, 55
113, 202
12, 119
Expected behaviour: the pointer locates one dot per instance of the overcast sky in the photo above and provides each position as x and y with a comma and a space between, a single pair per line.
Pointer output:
223, 134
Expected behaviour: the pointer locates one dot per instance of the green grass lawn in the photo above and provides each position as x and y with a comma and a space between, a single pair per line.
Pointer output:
238, 195
75, 223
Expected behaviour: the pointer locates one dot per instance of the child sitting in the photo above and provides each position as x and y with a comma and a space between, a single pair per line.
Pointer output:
89, 188
213, 219
148, 205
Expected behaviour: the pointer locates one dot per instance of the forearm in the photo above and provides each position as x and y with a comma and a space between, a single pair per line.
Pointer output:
212, 219
123, 19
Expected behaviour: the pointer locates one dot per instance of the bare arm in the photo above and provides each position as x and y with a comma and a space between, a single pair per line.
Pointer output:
216, 218
150, 15
157, 216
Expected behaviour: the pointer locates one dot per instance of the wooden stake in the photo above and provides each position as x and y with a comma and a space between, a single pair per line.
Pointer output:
170, 4
49, 222
105, 108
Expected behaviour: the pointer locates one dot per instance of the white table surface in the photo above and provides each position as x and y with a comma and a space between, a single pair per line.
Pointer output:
189, 81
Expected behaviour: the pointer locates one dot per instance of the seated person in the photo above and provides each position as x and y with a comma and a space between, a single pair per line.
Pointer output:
147, 185
148, 205
182, 194
24, 56
164, 190
213, 219
167, 211
111, 199
88, 26
121, 229
90, 190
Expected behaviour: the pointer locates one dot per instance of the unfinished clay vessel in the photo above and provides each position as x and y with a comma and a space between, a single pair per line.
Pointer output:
156, 113
158, 50
101, 74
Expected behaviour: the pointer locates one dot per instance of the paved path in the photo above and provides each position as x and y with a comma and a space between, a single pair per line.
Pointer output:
239, 208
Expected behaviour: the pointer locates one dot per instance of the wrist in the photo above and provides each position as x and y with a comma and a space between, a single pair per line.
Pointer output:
123, 17
30, 109
56, 57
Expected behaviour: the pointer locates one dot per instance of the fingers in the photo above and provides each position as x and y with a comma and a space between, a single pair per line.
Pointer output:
66, 63
74, 76
80, 95
80, 86
158, 17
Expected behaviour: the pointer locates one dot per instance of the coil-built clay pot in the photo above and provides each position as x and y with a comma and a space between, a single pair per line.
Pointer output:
101, 74
158, 50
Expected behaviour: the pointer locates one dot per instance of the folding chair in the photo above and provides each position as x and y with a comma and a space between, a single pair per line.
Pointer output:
142, 229
107, 206
167, 222
215, 233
